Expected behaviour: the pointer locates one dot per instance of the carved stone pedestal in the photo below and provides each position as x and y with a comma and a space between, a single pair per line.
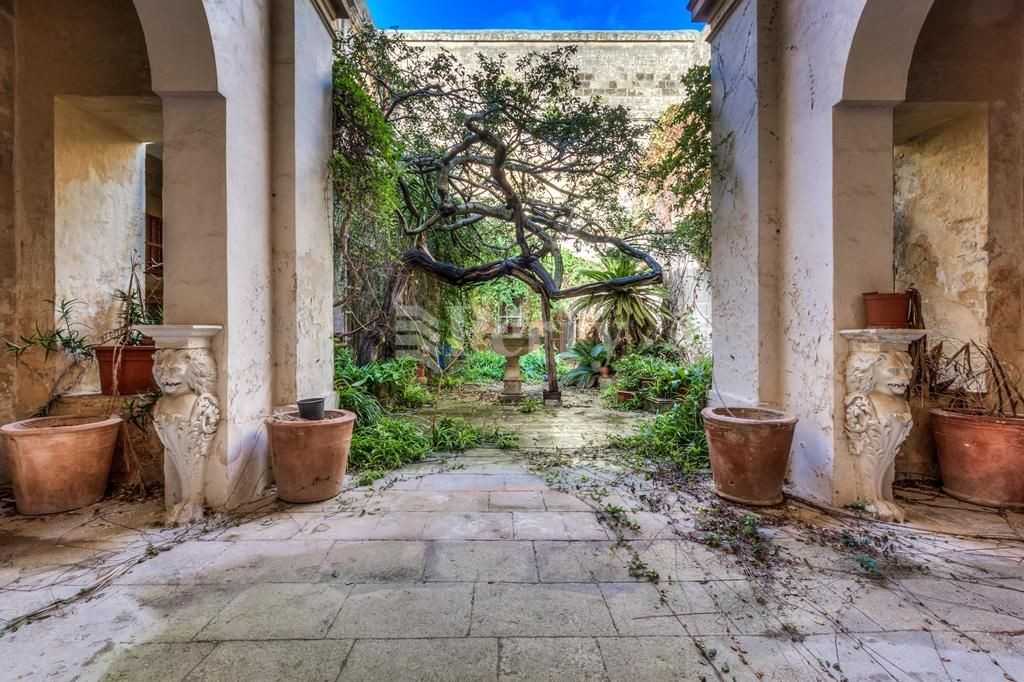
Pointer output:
513, 348
187, 414
878, 418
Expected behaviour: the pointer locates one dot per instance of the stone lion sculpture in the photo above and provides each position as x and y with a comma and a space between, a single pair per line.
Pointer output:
186, 418
878, 421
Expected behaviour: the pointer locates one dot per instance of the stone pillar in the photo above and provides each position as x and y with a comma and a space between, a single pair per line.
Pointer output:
301, 207
877, 413
745, 267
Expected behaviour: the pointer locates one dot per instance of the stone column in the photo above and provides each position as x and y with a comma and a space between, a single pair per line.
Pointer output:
878, 417
301, 97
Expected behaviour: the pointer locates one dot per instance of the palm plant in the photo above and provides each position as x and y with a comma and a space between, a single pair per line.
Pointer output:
590, 356
628, 315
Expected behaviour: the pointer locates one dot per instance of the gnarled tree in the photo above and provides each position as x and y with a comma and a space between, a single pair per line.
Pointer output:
504, 165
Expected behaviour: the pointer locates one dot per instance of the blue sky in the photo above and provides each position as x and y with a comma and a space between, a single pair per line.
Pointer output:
623, 15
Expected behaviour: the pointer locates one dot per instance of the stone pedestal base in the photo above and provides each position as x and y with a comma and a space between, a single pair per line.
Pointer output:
512, 393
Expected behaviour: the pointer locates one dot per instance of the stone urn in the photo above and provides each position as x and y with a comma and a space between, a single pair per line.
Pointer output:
60, 463
310, 457
513, 348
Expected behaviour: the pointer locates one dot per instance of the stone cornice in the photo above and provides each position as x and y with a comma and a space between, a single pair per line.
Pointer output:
711, 12
354, 11
518, 36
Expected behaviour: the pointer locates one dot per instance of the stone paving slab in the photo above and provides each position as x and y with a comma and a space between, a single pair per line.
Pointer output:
410, 610
469, 567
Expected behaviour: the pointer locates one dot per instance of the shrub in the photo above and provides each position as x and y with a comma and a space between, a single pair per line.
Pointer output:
480, 367
414, 395
677, 436
534, 366
387, 444
452, 434
364, 405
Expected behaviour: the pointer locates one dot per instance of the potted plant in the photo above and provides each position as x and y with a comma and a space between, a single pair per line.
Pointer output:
979, 428
887, 310
125, 356
310, 456
59, 463
749, 449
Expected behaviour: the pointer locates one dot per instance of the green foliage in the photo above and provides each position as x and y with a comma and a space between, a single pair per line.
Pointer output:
387, 444
529, 405
683, 164
589, 357
677, 436
358, 401
452, 434
415, 395
480, 367
64, 337
534, 366
629, 316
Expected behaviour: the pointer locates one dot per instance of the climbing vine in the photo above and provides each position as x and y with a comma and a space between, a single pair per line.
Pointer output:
680, 165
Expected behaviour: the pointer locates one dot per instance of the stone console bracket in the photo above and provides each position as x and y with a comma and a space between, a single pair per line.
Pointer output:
878, 418
187, 415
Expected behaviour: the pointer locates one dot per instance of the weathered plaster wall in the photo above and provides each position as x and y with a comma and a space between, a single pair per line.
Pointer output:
746, 228
99, 223
303, 362
8, 262
972, 52
812, 38
941, 213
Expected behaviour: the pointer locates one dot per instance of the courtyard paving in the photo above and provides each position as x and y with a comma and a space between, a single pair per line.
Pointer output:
544, 563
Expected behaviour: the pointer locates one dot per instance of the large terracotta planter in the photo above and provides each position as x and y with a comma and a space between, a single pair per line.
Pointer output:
749, 452
60, 463
886, 311
981, 457
310, 457
135, 373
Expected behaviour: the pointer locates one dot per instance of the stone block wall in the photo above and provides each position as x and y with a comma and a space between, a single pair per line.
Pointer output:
639, 70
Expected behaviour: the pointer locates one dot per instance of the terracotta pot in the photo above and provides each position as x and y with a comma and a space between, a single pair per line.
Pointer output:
749, 452
310, 457
659, 405
886, 311
981, 457
605, 371
136, 369
60, 463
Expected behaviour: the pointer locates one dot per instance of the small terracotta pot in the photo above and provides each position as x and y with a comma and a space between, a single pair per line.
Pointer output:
60, 463
605, 371
659, 405
886, 311
135, 373
749, 452
981, 457
310, 457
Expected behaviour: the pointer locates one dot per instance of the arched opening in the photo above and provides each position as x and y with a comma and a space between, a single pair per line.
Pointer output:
86, 171
928, 178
